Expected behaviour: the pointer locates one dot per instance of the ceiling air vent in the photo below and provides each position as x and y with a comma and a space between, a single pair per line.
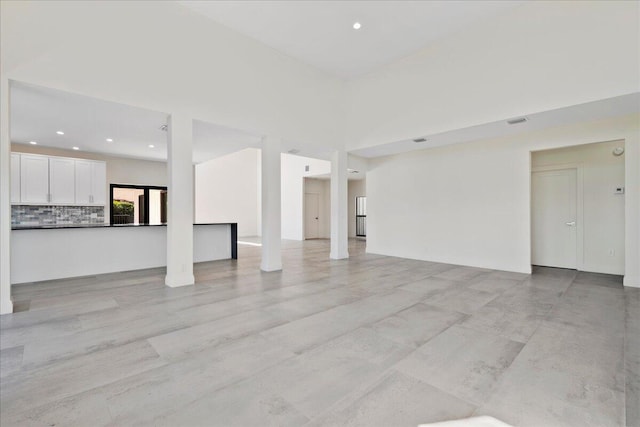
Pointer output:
420, 140
517, 121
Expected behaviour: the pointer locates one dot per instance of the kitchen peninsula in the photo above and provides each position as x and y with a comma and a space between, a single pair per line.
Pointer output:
46, 252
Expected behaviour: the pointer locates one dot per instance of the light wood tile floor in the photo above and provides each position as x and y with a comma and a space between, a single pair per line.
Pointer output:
373, 341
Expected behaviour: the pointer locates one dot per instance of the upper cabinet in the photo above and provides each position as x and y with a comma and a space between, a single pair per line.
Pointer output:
62, 179
15, 178
91, 182
34, 179
38, 179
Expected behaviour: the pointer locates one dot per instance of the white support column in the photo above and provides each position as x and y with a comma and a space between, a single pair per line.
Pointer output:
271, 208
339, 206
6, 306
180, 202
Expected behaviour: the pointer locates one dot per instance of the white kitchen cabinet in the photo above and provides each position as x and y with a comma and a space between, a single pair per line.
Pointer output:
91, 182
99, 183
34, 179
62, 180
15, 178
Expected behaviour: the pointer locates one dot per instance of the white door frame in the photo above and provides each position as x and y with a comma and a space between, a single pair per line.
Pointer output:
579, 167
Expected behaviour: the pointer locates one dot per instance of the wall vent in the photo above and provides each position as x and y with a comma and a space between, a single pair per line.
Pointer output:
517, 121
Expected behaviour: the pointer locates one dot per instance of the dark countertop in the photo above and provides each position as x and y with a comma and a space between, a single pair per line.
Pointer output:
62, 226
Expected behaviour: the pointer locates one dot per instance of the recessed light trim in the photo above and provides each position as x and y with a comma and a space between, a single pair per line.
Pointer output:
151, 146
33, 143
357, 25
60, 132
517, 120
75, 148
109, 140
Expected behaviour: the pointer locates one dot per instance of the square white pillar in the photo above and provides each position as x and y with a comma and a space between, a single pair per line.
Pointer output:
271, 208
339, 206
6, 306
180, 202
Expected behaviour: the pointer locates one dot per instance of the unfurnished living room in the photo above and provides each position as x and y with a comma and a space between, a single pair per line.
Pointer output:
320, 213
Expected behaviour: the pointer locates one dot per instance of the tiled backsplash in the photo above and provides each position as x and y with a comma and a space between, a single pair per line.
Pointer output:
47, 215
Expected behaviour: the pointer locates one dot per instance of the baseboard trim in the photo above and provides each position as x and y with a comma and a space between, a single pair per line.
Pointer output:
6, 307
178, 280
631, 281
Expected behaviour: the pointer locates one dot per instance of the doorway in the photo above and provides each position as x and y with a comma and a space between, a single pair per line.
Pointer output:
554, 218
577, 207
311, 215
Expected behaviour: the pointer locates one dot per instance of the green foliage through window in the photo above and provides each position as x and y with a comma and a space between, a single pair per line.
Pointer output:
122, 207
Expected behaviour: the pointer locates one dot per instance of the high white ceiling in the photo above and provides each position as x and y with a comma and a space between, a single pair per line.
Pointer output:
602, 109
321, 33
37, 113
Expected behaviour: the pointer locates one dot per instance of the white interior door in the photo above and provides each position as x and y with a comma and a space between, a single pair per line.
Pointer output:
554, 226
311, 216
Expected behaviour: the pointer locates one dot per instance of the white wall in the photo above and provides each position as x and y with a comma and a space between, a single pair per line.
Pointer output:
321, 187
602, 224
293, 174
120, 170
190, 65
357, 188
470, 203
539, 56
227, 189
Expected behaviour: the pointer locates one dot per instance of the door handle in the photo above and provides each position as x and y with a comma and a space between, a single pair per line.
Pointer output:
570, 224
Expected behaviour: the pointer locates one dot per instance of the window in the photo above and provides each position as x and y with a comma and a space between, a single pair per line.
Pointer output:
361, 216
138, 204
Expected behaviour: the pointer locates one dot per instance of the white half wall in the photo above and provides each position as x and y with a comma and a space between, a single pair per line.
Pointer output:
602, 211
293, 174
36, 254
227, 189
469, 203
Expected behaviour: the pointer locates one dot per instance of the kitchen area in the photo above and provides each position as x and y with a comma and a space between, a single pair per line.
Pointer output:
89, 189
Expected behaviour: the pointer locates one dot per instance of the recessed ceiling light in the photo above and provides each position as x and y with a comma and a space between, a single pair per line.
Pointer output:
357, 26
33, 143
151, 145
109, 140
76, 148
60, 132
